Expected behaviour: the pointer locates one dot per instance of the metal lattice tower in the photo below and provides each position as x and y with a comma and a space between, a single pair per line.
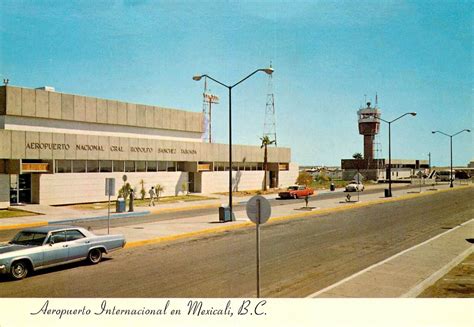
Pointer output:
269, 126
208, 100
378, 151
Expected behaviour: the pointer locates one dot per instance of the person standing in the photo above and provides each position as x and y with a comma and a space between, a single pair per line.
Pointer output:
152, 196
132, 197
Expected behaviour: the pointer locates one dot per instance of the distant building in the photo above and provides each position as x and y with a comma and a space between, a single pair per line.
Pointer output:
373, 168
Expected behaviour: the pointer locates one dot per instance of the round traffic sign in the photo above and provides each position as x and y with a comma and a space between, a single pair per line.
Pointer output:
254, 204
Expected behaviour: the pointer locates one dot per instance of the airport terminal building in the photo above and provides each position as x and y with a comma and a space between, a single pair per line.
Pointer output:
58, 148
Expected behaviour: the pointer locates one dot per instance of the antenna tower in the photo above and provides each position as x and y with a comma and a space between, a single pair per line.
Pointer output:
208, 100
269, 126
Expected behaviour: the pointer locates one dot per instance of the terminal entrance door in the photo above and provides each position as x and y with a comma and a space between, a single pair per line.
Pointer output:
194, 182
20, 188
273, 179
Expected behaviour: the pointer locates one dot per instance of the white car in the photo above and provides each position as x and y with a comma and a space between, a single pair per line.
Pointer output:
354, 187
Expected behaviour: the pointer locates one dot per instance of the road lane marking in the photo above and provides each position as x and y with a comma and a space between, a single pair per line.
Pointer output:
419, 288
279, 219
326, 289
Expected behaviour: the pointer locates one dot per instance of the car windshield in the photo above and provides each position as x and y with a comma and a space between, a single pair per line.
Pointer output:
29, 238
292, 188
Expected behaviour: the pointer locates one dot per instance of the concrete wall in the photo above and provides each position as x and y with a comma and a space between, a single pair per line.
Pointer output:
38, 145
54, 105
82, 188
45, 125
4, 191
218, 181
288, 177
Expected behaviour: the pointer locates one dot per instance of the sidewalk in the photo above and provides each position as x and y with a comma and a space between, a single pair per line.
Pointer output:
67, 215
406, 274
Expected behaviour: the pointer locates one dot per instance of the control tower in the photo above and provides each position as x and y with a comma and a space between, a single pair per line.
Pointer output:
369, 124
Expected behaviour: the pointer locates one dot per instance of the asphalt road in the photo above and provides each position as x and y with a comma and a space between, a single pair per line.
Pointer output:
6, 235
298, 257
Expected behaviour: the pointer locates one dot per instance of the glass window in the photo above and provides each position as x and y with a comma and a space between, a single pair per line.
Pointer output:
141, 166
118, 165
63, 166
58, 237
105, 166
29, 238
79, 166
180, 166
162, 165
152, 166
73, 235
130, 166
92, 166
171, 166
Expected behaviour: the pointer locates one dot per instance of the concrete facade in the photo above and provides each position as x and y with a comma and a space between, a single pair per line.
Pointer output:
56, 189
58, 148
16, 101
4, 190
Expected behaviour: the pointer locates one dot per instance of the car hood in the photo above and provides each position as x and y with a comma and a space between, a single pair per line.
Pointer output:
5, 248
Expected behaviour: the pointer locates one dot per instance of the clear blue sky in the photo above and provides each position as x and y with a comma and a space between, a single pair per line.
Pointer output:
417, 55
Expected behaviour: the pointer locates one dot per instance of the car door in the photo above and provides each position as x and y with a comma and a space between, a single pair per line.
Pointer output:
78, 244
57, 249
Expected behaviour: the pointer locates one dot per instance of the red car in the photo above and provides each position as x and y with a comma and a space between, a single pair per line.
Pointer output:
295, 192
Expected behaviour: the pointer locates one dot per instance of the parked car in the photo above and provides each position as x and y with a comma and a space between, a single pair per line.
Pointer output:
296, 191
42, 247
354, 186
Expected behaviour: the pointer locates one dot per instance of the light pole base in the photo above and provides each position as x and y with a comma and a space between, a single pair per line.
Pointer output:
388, 193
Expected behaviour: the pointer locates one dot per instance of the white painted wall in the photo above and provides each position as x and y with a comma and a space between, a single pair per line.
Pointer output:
288, 177
45, 125
4, 191
83, 187
218, 181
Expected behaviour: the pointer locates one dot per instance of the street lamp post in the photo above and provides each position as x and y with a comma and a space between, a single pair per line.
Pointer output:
269, 71
451, 151
390, 149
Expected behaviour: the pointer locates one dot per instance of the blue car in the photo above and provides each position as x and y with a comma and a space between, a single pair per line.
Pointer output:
43, 247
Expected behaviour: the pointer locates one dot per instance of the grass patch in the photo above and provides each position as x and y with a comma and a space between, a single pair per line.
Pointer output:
251, 192
142, 203
11, 213
320, 184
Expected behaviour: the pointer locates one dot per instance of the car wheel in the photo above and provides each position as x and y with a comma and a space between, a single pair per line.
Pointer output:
19, 270
94, 256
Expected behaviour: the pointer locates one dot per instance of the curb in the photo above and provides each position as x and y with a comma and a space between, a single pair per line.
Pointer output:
215, 230
418, 289
278, 219
72, 220
25, 225
422, 284
115, 216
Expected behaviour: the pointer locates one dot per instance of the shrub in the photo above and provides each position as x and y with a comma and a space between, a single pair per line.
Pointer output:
304, 178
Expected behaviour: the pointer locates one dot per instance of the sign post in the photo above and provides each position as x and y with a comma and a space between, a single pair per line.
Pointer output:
258, 210
109, 190
420, 176
359, 177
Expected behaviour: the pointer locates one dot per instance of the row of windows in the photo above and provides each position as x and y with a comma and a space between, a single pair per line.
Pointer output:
108, 166
224, 166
